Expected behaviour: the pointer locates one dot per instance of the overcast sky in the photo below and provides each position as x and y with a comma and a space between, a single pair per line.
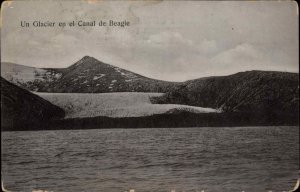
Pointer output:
166, 40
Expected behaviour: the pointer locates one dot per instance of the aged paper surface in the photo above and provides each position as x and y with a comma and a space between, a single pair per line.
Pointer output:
149, 96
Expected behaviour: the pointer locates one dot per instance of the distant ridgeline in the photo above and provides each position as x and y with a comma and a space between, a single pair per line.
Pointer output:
249, 98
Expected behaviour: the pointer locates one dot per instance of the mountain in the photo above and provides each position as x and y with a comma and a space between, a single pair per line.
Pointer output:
264, 96
260, 92
22, 109
88, 75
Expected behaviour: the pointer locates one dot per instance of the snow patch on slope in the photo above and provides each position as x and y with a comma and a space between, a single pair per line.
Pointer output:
126, 104
125, 74
24, 74
98, 77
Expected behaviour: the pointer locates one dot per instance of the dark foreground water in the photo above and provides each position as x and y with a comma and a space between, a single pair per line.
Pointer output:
180, 159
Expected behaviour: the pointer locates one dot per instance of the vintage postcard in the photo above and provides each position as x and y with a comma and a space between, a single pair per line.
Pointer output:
149, 96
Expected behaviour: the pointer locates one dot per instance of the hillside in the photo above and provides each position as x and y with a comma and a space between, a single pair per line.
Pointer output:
262, 92
88, 75
30, 78
125, 104
22, 109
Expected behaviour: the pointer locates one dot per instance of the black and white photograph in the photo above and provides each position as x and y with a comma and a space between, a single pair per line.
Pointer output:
149, 96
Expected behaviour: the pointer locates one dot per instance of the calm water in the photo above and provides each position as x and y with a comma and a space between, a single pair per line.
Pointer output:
180, 159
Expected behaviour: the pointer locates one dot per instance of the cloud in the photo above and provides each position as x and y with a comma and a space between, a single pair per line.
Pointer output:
244, 57
208, 47
169, 38
243, 53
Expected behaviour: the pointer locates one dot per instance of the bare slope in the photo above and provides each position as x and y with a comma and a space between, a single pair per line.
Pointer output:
126, 104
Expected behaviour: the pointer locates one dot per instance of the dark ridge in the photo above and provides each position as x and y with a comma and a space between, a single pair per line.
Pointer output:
260, 92
21, 108
184, 119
